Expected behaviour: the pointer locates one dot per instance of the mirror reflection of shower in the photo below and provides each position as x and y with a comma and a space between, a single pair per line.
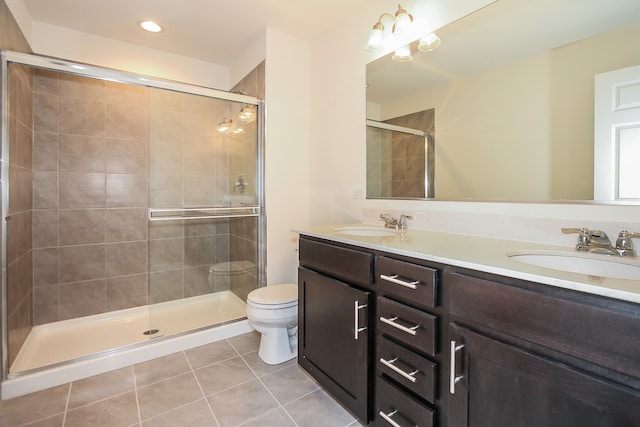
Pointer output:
125, 214
401, 157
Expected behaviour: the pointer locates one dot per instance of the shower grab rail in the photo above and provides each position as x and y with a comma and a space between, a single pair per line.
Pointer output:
173, 214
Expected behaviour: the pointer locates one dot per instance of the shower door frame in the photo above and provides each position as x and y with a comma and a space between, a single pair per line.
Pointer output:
91, 71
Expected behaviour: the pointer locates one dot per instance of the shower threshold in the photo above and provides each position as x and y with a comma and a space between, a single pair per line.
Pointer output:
72, 339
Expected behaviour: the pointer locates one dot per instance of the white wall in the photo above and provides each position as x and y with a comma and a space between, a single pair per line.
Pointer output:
287, 151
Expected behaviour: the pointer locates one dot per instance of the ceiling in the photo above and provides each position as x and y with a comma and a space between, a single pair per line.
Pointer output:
210, 30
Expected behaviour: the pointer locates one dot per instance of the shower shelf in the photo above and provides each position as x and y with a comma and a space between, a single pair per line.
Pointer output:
172, 214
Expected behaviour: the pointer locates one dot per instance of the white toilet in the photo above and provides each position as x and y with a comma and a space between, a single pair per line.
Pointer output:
273, 311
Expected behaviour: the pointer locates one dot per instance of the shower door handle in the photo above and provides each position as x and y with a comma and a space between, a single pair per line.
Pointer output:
173, 214
356, 319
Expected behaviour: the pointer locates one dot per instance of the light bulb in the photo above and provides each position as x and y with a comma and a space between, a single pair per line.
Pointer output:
429, 42
151, 26
225, 126
376, 39
247, 114
402, 54
403, 22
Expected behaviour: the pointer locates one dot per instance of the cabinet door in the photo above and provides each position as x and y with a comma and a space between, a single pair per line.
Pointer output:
494, 384
334, 337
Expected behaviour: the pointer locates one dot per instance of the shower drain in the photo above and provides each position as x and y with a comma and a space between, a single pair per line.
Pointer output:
151, 332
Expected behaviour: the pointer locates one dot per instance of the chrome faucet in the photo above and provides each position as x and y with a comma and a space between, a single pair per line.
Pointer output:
598, 242
398, 224
624, 245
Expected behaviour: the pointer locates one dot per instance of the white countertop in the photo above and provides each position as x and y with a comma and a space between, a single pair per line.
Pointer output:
482, 254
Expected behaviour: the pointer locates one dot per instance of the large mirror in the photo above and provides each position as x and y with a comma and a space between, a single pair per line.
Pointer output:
511, 89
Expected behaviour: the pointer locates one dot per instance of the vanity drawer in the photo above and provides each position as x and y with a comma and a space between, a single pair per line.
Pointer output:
407, 281
416, 373
596, 334
346, 264
399, 408
408, 325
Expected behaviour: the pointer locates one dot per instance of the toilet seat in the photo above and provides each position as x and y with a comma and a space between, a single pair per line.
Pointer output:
274, 296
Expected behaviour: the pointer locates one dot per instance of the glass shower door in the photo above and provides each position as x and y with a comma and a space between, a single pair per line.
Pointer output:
203, 210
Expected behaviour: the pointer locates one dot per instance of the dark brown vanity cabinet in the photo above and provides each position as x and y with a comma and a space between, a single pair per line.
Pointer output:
407, 343
524, 354
335, 308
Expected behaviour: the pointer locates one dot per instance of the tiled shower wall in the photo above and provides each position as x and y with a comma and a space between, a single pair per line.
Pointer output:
243, 232
90, 196
396, 162
408, 161
19, 226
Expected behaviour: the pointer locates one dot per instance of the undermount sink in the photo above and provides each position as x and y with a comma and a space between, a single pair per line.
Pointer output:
583, 263
363, 230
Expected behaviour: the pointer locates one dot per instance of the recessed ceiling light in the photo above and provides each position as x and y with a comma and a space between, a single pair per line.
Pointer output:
151, 26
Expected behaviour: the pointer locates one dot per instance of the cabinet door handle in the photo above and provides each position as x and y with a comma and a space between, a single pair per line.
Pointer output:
394, 279
411, 376
387, 418
391, 322
453, 379
356, 319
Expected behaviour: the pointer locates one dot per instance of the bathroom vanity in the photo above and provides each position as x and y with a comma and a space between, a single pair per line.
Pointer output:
409, 329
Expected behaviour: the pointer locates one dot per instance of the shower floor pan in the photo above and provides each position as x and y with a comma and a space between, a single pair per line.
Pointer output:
57, 342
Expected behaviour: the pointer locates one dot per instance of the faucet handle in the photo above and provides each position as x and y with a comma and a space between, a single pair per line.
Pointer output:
624, 245
584, 237
389, 221
403, 221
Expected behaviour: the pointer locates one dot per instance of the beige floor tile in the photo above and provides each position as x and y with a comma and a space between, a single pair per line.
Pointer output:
289, 383
273, 418
195, 414
261, 368
55, 421
117, 411
241, 403
33, 407
160, 369
218, 377
318, 409
210, 353
246, 343
101, 387
168, 395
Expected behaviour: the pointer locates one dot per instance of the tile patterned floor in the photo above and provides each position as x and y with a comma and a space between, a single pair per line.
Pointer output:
220, 384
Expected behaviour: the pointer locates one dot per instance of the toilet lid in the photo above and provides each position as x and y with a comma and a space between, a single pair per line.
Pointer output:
274, 294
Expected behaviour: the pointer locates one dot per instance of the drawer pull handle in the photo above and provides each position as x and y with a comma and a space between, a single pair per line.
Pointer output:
394, 279
356, 319
387, 418
453, 379
392, 322
411, 376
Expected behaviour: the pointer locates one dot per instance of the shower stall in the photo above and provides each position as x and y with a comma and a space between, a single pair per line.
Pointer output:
132, 214
401, 159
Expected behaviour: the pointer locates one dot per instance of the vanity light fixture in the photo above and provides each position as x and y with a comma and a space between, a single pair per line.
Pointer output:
150, 26
401, 26
400, 33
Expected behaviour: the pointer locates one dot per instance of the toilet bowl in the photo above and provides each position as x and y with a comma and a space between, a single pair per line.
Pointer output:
273, 311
